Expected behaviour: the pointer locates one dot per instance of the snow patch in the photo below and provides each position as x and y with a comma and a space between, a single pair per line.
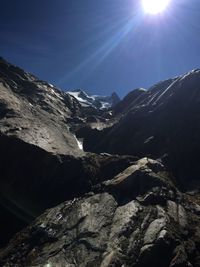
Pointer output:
50, 85
95, 101
142, 90
76, 95
79, 142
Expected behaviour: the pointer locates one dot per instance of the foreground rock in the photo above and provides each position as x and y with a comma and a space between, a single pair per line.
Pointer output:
33, 179
156, 227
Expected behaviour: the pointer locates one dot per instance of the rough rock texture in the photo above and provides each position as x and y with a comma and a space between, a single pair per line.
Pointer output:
156, 227
163, 121
35, 111
108, 210
41, 160
33, 179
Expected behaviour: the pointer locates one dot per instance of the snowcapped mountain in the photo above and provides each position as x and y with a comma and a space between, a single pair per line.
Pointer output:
96, 101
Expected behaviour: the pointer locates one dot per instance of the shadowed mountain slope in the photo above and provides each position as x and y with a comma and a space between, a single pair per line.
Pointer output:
122, 203
163, 121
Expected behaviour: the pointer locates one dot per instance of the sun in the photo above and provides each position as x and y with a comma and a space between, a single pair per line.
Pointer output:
155, 6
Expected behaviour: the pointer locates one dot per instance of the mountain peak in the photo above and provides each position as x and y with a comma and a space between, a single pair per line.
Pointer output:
95, 101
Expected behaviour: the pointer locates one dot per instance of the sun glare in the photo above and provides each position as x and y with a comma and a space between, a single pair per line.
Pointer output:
155, 6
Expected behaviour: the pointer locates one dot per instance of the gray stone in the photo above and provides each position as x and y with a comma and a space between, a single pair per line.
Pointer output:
154, 230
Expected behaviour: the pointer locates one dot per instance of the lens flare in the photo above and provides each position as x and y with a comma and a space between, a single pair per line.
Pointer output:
155, 6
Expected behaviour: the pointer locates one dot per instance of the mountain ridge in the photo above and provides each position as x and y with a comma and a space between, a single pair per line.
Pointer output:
130, 197
96, 101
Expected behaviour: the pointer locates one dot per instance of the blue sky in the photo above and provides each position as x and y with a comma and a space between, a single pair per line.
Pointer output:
100, 45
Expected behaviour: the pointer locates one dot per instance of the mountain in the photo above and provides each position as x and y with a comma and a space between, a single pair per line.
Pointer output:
129, 100
162, 121
35, 111
95, 101
42, 161
129, 197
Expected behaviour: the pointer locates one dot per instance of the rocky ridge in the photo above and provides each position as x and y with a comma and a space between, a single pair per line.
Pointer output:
35, 111
95, 101
154, 226
160, 122
102, 209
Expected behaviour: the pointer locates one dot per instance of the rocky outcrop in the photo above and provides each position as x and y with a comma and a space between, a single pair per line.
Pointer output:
154, 227
109, 209
42, 163
33, 179
36, 112
163, 121
41, 114
144, 175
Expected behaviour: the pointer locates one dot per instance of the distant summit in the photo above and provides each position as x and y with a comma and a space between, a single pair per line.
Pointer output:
96, 101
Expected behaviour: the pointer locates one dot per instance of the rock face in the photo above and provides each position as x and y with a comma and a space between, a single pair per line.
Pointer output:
129, 101
33, 179
35, 111
101, 209
154, 227
161, 121
41, 160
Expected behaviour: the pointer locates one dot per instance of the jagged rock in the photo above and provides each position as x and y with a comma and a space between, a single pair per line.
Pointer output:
36, 112
154, 231
40, 155
177, 212
145, 174
112, 210
180, 258
95, 101
96, 230
162, 120
101, 229
33, 179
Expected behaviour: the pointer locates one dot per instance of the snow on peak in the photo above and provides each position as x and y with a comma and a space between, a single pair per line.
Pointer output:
96, 101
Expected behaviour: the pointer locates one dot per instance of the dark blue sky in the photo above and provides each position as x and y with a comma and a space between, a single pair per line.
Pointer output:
100, 45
